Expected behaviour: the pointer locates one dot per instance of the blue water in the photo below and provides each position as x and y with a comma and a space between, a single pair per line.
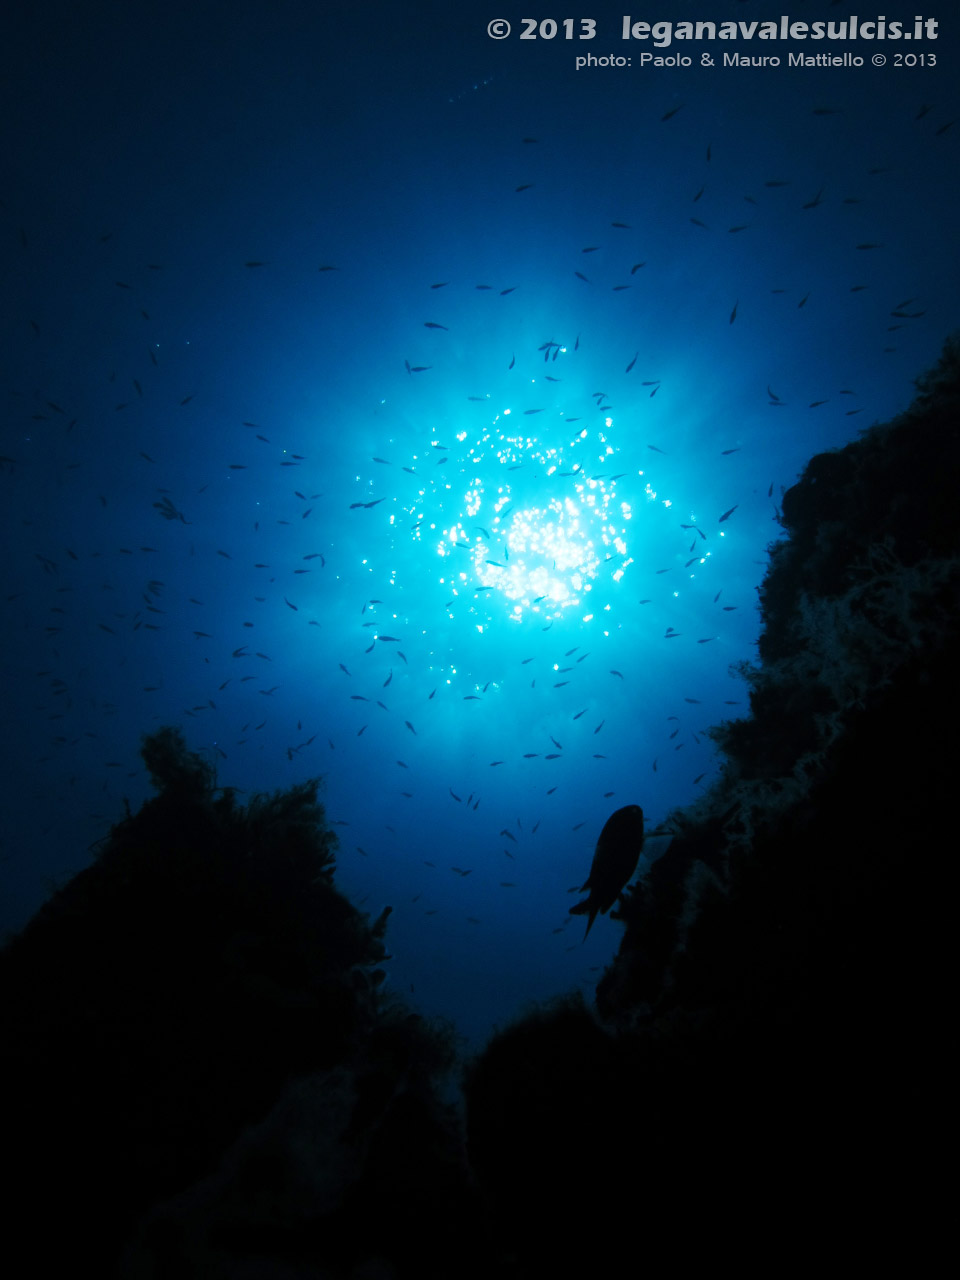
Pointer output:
152, 155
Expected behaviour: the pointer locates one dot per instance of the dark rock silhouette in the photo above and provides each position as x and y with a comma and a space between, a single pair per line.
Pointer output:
199, 1062
772, 1058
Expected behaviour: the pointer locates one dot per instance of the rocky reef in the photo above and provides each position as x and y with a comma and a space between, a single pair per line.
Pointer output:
768, 1069
203, 1072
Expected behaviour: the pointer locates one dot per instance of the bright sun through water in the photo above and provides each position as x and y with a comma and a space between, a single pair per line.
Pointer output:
532, 517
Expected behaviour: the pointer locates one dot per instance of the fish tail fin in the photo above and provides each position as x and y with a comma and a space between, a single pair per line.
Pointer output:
582, 909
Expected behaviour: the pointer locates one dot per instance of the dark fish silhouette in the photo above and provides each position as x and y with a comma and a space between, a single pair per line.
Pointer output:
614, 862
